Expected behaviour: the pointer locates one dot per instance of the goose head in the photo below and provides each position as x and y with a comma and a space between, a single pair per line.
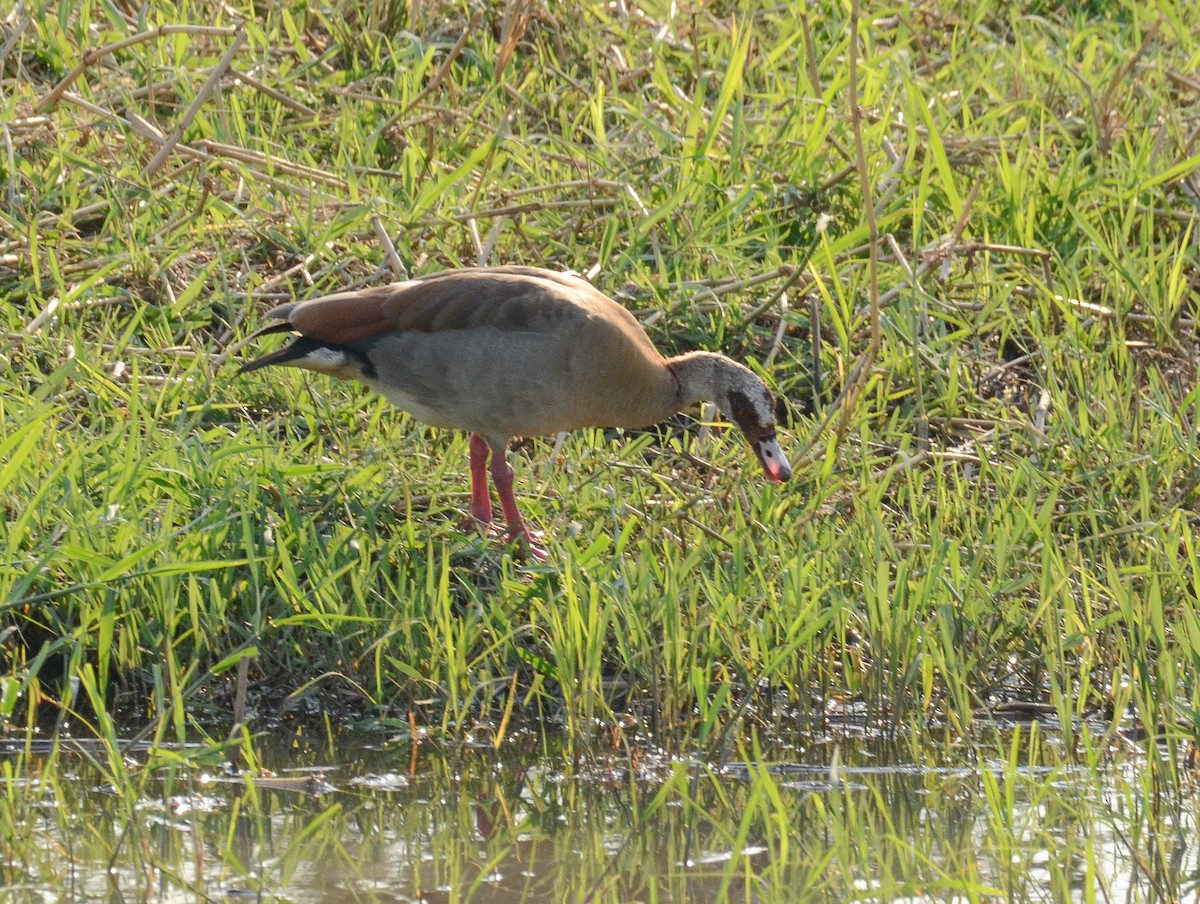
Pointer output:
741, 396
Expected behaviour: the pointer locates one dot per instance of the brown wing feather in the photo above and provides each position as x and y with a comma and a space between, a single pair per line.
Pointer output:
341, 318
505, 298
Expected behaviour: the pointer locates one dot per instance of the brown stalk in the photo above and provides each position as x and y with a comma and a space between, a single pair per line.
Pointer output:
206, 90
233, 152
512, 29
810, 54
14, 37
91, 57
273, 93
517, 209
867, 361
444, 70
213, 150
389, 248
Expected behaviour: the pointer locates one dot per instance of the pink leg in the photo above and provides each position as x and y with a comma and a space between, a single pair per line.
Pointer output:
481, 501
502, 476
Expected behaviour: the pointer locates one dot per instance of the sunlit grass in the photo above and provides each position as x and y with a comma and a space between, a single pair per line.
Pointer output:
1005, 514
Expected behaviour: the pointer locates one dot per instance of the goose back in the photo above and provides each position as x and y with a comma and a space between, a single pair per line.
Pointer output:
503, 351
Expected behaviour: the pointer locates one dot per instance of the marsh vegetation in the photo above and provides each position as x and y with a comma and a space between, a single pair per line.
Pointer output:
978, 297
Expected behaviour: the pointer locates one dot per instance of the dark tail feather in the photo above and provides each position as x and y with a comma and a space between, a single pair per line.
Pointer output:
298, 349
279, 326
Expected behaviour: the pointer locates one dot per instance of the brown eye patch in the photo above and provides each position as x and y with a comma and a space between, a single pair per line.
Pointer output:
746, 417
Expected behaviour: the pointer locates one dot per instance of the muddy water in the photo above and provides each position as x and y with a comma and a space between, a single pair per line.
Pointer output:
353, 819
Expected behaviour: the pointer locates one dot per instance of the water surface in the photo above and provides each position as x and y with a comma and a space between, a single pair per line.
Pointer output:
357, 818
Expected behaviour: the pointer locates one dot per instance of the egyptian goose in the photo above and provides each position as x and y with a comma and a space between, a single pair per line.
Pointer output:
514, 351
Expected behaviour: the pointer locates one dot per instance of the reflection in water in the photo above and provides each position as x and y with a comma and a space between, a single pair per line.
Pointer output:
849, 822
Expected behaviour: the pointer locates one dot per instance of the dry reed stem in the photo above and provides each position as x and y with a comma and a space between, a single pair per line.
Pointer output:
810, 56
489, 244
443, 70
512, 29
1099, 310
571, 185
867, 362
704, 529
778, 294
975, 247
22, 24
144, 129
91, 57
350, 94
216, 153
514, 210
485, 168
389, 248
43, 317
239, 700
206, 90
858, 375
94, 302
13, 191
476, 241
1041, 414
780, 329
233, 152
273, 93
715, 289
34, 326
1182, 79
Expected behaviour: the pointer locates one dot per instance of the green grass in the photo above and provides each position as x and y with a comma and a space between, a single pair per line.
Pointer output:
1005, 512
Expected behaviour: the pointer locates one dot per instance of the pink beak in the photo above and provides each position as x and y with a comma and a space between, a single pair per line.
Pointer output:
773, 460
